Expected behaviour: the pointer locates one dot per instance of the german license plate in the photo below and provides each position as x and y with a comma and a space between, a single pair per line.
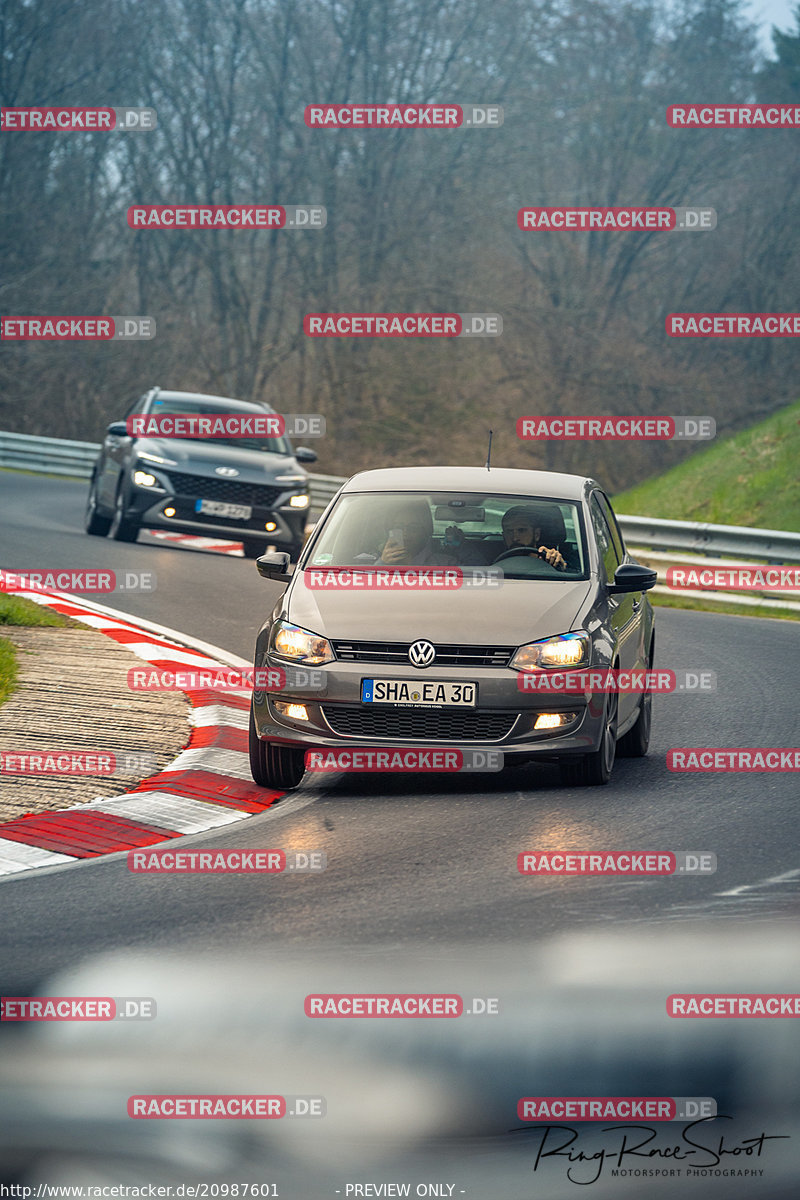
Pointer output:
218, 508
429, 693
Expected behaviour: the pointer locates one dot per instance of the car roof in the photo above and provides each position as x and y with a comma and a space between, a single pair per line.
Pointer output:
503, 480
240, 405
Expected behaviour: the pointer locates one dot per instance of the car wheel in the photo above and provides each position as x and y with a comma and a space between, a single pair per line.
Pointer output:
254, 549
92, 521
123, 527
636, 741
272, 766
594, 770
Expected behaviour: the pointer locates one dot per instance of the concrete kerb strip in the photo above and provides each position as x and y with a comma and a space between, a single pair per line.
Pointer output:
206, 787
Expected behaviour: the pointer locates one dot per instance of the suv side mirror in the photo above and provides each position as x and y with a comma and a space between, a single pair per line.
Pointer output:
274, 566
118, 429
632, 577
304, 454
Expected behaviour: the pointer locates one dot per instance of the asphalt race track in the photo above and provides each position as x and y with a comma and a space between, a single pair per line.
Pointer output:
422, 871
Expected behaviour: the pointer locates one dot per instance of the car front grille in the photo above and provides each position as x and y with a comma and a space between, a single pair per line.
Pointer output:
446, 656
418, 724
233, 491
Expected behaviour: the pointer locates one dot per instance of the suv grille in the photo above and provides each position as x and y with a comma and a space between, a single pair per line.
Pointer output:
418, 724
212, 487
446, 656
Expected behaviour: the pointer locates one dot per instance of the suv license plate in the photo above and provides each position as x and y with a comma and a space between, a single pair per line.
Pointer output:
218, 508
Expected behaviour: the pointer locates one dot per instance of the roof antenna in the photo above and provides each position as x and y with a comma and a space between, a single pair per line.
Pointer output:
489, 453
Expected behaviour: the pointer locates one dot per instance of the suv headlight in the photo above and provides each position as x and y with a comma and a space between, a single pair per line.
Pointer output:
565, 650
146, 479
300, 645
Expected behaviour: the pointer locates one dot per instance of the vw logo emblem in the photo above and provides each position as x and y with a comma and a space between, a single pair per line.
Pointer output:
228, 471
421, 654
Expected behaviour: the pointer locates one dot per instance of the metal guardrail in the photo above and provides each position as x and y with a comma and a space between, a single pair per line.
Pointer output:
54, 456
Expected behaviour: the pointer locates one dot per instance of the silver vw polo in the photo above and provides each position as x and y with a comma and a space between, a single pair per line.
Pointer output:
425, 602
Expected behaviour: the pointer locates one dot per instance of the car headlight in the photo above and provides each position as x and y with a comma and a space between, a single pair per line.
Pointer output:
145, 479
300, 645
299, 501
565, 650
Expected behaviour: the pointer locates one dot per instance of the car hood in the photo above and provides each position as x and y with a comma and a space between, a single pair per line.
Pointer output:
520, 611
204, 456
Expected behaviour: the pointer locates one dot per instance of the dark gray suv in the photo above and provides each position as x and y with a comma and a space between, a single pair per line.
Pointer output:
249, 490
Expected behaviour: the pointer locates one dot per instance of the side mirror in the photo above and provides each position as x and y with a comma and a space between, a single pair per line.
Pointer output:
304, 454
274, 566
632, 577
118, 429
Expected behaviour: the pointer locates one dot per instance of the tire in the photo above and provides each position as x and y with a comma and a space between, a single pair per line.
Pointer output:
636, 741
123, 528
93, 523
254, 549
278, 767
594, 770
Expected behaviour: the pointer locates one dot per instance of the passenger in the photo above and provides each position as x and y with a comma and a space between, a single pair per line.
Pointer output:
410, 541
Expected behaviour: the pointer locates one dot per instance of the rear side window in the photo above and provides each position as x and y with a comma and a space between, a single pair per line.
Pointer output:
605, 542
613, 525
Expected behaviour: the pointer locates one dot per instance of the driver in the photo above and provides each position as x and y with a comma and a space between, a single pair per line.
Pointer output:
523, 526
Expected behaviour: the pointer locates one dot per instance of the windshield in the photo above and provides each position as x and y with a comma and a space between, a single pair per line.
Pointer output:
464, 529
268, 445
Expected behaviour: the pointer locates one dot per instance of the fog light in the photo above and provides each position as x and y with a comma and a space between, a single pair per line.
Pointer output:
296, 712
270, 526
554, 720
169, 512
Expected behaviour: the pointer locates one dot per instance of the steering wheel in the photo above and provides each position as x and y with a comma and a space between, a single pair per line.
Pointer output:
528, 551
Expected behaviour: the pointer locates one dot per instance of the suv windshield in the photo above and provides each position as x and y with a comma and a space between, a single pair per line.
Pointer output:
464, 529
268, 445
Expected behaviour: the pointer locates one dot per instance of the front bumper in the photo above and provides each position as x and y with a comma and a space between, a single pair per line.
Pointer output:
148, 504
512, 714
